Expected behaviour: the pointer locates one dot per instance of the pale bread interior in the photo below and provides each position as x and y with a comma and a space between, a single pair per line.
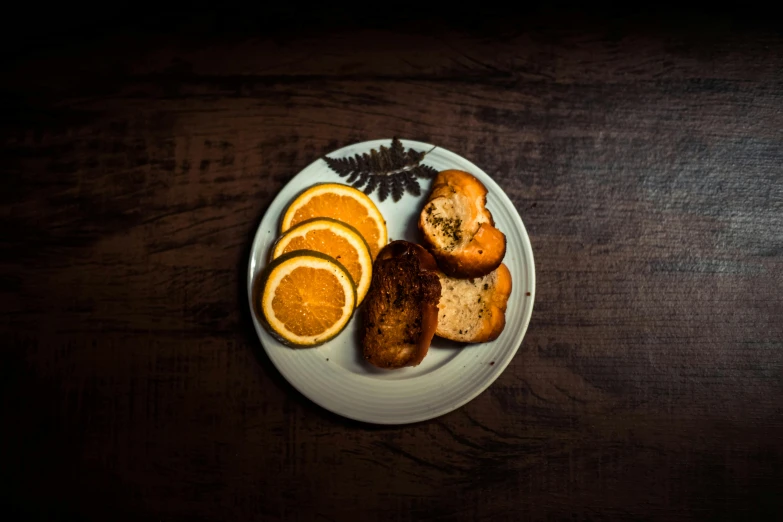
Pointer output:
447, 222
451, 223
463, 310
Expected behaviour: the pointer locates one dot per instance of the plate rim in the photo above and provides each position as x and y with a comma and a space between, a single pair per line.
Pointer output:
496, 372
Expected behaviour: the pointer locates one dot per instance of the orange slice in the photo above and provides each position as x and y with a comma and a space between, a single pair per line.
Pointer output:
306, 298
343, 203
335, 239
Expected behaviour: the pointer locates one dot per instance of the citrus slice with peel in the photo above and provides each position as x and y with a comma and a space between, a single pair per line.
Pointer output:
341, 202
335, 239
306, 297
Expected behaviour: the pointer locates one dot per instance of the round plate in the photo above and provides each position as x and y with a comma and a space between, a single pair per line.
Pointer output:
336, 376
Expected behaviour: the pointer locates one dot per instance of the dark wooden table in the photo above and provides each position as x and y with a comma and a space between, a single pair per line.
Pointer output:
646, 160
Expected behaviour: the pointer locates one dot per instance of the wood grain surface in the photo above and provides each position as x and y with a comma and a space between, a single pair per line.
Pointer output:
644, 158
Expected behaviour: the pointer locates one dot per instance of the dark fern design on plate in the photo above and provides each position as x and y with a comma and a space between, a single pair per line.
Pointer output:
390, 170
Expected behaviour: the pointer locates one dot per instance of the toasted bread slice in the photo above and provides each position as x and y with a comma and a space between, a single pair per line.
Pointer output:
457, 227
401, 308
474, 310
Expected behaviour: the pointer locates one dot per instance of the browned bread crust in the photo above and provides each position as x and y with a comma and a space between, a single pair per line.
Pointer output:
474, 310
401, 308
457, 227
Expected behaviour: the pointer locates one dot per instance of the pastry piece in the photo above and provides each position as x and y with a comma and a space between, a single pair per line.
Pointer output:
457, 227
474, 310
401, 309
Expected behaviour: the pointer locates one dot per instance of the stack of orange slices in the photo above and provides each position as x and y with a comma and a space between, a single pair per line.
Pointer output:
321, 265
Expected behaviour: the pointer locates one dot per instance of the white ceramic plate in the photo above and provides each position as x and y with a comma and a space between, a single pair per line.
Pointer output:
336, 377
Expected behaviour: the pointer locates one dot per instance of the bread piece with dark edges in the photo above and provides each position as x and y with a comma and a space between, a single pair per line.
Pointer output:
474, 310
457, 227
401, 308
